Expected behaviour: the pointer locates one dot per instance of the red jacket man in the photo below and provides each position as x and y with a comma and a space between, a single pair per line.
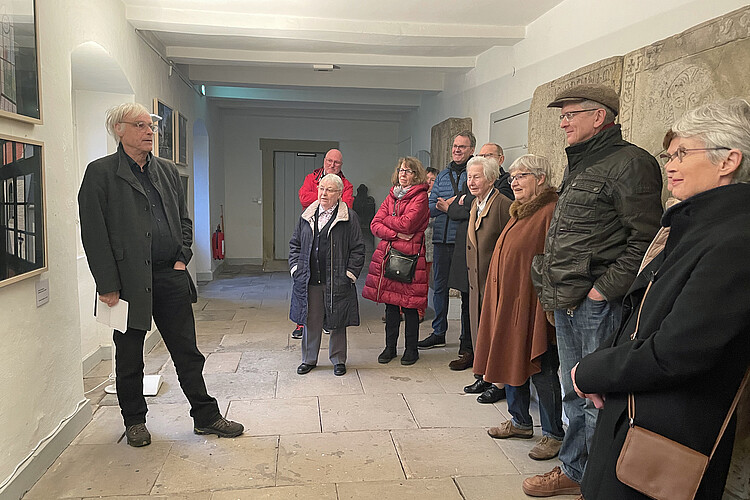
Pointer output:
332, 163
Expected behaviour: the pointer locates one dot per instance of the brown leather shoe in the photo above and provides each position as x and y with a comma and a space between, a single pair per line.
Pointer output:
555, 482
546, 448
464, 362
507, 429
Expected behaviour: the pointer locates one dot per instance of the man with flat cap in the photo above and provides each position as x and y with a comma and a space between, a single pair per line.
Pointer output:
608, 211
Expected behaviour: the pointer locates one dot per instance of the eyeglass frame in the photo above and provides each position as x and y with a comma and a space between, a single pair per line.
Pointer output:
518, 176
460, 147
406, 171
567, 116
681, 152
328, 190
139, 125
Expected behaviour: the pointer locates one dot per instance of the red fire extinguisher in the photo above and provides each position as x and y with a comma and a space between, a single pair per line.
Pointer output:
217, 244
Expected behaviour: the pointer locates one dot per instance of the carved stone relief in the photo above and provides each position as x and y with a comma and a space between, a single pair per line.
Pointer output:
546, 138
441, 137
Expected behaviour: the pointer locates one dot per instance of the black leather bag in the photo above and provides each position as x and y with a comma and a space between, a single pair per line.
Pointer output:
399, 266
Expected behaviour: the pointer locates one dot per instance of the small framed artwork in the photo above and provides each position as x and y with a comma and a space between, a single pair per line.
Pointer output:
181, 146
164, 146
19, 62
23, 234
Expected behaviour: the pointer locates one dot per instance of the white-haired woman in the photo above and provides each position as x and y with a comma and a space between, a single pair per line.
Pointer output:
515, 341
684, 342
326, 254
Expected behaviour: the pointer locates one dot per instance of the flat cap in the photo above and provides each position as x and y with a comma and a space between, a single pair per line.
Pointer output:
588, 92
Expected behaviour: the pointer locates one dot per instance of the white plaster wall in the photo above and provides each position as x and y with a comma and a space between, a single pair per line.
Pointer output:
40, 363
370, 151
573, 34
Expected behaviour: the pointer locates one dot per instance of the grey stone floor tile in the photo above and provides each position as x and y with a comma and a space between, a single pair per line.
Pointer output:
517, 451
319, 382
230, 304
307, 492
505, 487
213, 463
102, 369
247, 342
227, 315
365, 412
101, 470
337, 457
452, 452
219, 327
411, 489
264, 417
400, 380
222, 362
257, 360
452, 410
204, 495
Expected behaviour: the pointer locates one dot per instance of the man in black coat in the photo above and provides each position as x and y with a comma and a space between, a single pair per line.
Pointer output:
137, 234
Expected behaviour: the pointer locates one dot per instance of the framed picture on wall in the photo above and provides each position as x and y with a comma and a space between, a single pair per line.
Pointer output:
19, 62
164, 137
181, 147
23, 234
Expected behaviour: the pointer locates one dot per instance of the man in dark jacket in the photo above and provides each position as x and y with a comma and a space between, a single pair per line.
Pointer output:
608, 211
137, 234
448, 184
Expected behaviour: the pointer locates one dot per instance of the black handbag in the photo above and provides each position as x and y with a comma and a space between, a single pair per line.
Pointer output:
399, 266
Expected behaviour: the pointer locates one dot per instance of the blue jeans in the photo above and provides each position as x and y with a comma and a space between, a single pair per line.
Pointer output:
579, 333
442, 256
550, 399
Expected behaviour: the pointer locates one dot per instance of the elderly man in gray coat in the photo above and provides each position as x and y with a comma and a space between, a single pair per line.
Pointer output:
137, 234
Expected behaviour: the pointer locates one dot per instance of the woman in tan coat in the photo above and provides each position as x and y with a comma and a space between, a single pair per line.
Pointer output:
515, 341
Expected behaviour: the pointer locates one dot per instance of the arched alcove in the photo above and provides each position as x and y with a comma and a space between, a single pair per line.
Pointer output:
97, 83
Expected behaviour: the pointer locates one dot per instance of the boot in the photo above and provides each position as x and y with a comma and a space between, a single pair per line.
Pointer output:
392, 323
411, 337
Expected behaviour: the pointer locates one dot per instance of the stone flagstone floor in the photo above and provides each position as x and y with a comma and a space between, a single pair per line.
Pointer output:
378, 432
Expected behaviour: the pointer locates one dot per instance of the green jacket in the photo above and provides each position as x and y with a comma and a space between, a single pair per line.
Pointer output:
116, 228
608, 213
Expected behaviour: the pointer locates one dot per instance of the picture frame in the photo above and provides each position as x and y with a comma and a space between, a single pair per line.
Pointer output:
181, 146
23, 210
164, 141
20, 89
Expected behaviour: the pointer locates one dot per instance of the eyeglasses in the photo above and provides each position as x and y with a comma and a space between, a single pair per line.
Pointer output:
460, 147
490, 155
328, 190
141, 126
681, 152
405, 171
518, 177
570, 114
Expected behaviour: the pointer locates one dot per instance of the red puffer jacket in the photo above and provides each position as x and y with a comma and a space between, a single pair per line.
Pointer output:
409, 215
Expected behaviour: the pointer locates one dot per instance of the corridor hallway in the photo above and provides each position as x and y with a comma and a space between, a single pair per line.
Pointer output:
378, 432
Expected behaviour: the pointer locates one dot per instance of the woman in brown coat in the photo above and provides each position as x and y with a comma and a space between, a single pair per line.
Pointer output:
515, 341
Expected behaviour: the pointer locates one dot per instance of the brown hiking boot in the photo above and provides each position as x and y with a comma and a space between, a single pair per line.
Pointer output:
507, 429
546, 448
555, 482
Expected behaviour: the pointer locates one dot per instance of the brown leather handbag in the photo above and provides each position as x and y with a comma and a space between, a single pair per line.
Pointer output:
657, 466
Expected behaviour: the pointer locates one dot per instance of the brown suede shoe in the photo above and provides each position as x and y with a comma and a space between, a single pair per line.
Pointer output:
546, 448
464, 362
555, 482
507, 429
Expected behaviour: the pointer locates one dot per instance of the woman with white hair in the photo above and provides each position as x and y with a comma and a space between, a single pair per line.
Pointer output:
675, 364
326, 254
516, 343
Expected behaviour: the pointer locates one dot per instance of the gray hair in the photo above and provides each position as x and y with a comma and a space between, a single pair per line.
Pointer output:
723, 124
490, 167
118, 113
333, 179
467, 133
537, 165
609, 115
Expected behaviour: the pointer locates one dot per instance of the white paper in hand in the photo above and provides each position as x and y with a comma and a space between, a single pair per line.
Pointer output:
115, 316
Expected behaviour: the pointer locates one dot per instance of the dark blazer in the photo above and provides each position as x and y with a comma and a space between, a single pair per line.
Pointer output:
346, 256
116, 228
692, 346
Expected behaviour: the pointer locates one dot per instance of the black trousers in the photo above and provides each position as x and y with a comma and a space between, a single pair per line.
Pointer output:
392, 324
173, 315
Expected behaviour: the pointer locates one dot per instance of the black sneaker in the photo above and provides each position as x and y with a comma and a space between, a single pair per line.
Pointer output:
434, 340
222, 428
297, 333
138, 435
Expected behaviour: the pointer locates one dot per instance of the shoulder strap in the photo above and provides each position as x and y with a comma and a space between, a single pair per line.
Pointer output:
454, 182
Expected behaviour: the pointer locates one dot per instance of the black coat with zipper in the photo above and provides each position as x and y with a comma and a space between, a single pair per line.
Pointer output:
345, 258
